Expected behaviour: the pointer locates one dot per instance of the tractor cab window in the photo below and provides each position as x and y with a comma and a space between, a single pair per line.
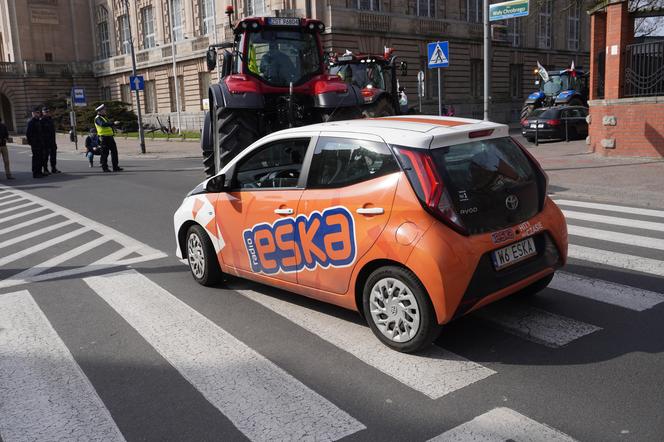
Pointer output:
556, 84
360, 74
282, 57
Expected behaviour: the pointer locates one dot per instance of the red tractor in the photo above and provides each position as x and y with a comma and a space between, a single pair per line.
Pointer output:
274, 76
376, 76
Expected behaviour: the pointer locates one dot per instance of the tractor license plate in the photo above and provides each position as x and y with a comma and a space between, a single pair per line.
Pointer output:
283, 21
513, 253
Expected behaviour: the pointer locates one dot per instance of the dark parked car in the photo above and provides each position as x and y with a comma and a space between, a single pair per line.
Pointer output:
559, 122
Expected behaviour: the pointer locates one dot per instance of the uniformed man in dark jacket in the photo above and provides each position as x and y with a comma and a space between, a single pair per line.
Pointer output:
106, 132
36, 141
50, 145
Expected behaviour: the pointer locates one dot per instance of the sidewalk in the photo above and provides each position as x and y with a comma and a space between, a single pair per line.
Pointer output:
157, 148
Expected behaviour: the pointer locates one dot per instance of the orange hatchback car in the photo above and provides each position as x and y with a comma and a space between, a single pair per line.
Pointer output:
412, 221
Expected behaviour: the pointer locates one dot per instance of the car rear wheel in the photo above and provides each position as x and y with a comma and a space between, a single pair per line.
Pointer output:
202, 258
398, 309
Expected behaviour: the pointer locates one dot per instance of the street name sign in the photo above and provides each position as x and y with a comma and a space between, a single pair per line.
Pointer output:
511, 9
137, 83
438, 55
78, 97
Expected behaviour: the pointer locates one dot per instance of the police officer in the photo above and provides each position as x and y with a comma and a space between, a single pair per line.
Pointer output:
105, 131
50, 145
36, 141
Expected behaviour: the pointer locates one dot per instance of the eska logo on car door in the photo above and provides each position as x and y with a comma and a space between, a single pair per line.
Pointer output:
412, 221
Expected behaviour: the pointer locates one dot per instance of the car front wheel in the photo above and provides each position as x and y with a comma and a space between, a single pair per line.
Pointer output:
398, 309
201, 257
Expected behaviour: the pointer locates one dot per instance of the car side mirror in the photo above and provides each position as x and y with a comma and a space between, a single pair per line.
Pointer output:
404, 68
216, 184
211, 59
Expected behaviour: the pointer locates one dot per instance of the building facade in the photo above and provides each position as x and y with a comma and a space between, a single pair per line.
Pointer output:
555, 34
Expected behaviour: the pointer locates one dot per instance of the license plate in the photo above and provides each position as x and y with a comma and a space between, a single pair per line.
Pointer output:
533, 125
283, 21
514, 253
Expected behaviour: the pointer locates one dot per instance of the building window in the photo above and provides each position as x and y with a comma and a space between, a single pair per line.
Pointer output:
207, 17
125, 38
514, 32
516, 80
573, 19
476, 66
177, 19
150, 97
48, 56
368, 5
204, 85
171, 93
102, 32
125, 93
106, 93
474, 11
256, 7
147, 22
544, 25
426, 8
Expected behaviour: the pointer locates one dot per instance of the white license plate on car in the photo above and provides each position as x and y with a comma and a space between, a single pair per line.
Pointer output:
533, 126
513, 253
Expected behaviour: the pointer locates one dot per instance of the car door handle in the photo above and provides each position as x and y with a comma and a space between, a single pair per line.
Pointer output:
370, 210
283, 211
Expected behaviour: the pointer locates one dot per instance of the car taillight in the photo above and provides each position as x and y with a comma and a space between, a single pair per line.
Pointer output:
524, 122
428, 185
480, 133
553, 122
538, 167
239, 84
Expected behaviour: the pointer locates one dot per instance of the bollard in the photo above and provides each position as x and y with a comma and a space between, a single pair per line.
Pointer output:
536, 132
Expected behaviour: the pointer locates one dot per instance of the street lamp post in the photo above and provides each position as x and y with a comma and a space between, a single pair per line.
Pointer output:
141, 134
175, 73
487, 59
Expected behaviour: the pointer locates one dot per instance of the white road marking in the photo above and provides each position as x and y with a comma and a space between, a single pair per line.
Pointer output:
22, 214
28, 223
43, 245
13, 200
20, 206
262, 400
434, 373
617, 237
45, 394
18, 239
534, 324
502, 424
608, 292
9, 198
615, 259
612, 208
30, 274
614, 220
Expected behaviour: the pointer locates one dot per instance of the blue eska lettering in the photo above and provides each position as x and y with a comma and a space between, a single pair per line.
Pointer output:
291, 244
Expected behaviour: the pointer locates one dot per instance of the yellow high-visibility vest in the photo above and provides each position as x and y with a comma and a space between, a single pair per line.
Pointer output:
103, 131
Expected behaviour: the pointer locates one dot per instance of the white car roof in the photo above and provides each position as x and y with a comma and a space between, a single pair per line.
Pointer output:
417, 131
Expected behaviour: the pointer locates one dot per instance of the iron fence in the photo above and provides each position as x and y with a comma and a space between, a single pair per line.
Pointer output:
644, 71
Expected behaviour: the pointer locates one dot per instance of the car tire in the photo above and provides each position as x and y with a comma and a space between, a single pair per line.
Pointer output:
201, 257
404, 321
537, 286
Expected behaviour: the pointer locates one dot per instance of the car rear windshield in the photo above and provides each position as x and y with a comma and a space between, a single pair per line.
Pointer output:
483, 177
544, 113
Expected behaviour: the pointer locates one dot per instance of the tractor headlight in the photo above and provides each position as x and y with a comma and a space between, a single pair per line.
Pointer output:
311, 26
254, 25
244, 25
321, 27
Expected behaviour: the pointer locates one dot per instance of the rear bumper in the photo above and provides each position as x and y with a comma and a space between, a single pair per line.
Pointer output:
544, 134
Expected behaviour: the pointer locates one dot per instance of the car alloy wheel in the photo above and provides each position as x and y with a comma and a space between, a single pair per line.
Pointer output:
196, 255
202, 257
394, 310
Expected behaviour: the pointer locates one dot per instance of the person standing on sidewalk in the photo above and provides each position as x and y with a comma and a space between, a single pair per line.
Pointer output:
50, 144
106, 132
4, 136
36, 141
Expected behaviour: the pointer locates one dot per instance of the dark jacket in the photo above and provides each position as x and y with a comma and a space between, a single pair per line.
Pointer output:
4, 134
91, 141
34, 133
48, 131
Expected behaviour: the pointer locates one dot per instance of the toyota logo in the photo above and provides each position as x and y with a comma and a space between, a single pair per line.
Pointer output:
512, 202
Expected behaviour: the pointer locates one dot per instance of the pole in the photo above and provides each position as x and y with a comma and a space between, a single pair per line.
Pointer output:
487, 61
175, 73
214, 32
440, 95
141, 134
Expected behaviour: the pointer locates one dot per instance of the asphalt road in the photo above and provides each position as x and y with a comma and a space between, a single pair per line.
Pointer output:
104, 334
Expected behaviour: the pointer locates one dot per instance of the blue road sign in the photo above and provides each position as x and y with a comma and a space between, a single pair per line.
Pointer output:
438, 54
137, 83
78, 96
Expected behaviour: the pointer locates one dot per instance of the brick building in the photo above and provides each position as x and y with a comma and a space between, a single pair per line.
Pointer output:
554, 33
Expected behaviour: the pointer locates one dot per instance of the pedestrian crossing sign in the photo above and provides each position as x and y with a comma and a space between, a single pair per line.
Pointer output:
438, 55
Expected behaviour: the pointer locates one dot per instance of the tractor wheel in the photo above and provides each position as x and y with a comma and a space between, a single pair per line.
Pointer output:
382, 108
207, 145
527, 110
233, 130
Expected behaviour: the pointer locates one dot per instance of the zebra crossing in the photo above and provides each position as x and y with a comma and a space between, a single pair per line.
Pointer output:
261, 399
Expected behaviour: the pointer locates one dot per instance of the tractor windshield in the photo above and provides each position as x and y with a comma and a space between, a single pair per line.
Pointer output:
556, 84
281, 57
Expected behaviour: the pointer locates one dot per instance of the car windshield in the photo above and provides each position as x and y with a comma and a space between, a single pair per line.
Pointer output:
555, 84
361, 75
282, 57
